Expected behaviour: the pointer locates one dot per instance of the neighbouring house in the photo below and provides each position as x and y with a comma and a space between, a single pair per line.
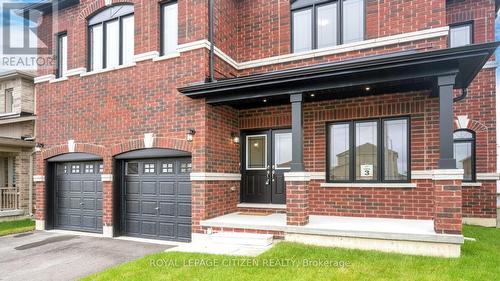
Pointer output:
352, 123
17, 127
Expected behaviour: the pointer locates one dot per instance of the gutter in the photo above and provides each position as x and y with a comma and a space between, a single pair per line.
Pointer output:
211, 40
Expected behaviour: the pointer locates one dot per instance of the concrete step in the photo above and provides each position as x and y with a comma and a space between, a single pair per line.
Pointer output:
244, 239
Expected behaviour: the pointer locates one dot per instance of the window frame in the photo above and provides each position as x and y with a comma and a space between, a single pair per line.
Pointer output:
380, 149
459, 24
103, 24
59, 37
472, 141
10, 91
313, 5
162, 24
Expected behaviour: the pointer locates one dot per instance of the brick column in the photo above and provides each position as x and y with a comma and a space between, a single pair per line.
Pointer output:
107, 198
448, 201
297, 198
40, 203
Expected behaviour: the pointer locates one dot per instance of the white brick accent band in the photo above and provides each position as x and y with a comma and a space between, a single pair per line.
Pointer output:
448, 174
368, 185
40, 225
297, 176
39, 178
488, 176
215, 177
106, 177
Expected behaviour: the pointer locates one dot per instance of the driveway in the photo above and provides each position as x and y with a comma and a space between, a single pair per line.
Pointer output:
53, 256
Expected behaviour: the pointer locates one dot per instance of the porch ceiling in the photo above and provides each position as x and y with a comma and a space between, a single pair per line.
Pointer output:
402, 71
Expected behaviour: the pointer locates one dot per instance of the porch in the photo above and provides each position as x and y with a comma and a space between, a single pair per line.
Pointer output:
414, 237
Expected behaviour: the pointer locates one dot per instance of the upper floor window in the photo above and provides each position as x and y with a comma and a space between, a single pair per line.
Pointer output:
111, 37
8, 100
62, 55
369, 151
461, 34
169, 27
464, 149
325, 23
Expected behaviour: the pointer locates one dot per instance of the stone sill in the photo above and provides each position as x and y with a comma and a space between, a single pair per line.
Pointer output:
369, 185
471, 184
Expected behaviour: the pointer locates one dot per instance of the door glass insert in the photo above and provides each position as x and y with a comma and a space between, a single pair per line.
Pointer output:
256, 152
283, 150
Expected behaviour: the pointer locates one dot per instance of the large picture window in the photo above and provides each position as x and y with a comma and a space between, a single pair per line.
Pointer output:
111, 37
369, 151
464, 147
324, 23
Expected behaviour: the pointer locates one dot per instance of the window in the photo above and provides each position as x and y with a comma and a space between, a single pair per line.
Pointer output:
368, 151
111, 37
149, 168
8, 171
89, 169
461, 34
325, 23
62, 55
185, 167
8, 100
75, 168
464, 149
169, 28
132, 168
167, 168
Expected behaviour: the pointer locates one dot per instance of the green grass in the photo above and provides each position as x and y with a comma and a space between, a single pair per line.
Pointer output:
19, 226
480, 261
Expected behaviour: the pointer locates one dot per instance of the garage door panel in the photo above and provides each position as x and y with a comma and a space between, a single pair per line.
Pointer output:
148, 188
164, 198
78, 198
167, 188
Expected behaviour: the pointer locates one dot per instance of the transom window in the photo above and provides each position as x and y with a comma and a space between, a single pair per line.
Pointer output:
324, 23
369, 151
464, 149
111, 37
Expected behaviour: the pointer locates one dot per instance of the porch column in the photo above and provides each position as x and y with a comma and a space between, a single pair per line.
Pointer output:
297, 180
297, 164
445, 85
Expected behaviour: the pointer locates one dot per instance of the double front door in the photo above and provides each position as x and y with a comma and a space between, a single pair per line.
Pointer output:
266, 156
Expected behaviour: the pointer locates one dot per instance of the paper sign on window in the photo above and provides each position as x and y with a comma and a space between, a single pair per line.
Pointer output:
367, 171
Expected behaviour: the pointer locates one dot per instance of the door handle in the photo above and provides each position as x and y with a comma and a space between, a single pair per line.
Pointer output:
268, 175
157, 208
81, 204
273, 176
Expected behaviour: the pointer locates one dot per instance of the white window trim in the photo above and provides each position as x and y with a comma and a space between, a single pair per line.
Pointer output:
246, 153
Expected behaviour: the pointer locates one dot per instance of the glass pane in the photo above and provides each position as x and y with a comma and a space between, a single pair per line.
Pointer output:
170, 28
132, 168
283, 150
366, 151
75, 168
353, 20
463, 156
327, 25
64, 55
302, 34
9, 100
256, 152
460, 35
185, 167
167, 168
128, 39
339, 152
462, 135
112, 43
96, 47
149, 168
396, 150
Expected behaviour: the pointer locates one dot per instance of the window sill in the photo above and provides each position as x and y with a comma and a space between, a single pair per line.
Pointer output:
167, 56
471, 184
107, 69
369, 185
60, 79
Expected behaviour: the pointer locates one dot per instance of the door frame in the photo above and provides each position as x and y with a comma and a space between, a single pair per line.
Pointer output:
269, 132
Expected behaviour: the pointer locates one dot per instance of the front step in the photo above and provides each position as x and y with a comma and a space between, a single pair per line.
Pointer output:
243, 239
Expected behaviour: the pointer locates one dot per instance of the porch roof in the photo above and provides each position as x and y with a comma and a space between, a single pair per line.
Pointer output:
407, 69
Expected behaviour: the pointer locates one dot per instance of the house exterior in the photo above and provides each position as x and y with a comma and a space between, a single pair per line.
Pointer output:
161, 118
17, 127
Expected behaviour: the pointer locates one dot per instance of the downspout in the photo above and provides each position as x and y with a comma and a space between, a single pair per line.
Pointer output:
462, 96
211, 40
30, 185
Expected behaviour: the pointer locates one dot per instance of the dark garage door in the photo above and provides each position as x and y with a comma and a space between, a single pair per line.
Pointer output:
78, 196
156, 199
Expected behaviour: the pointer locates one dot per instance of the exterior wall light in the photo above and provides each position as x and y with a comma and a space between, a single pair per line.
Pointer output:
235, 137
189, 134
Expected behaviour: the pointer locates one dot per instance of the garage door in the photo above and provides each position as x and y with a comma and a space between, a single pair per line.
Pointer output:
78, 196
157, 199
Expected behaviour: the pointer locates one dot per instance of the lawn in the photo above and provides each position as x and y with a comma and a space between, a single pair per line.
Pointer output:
480, 261
19, 226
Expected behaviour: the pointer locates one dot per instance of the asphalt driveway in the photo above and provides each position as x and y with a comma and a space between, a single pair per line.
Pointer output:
53, 256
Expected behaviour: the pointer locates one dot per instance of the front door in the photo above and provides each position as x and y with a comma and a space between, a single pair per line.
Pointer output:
266, 156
